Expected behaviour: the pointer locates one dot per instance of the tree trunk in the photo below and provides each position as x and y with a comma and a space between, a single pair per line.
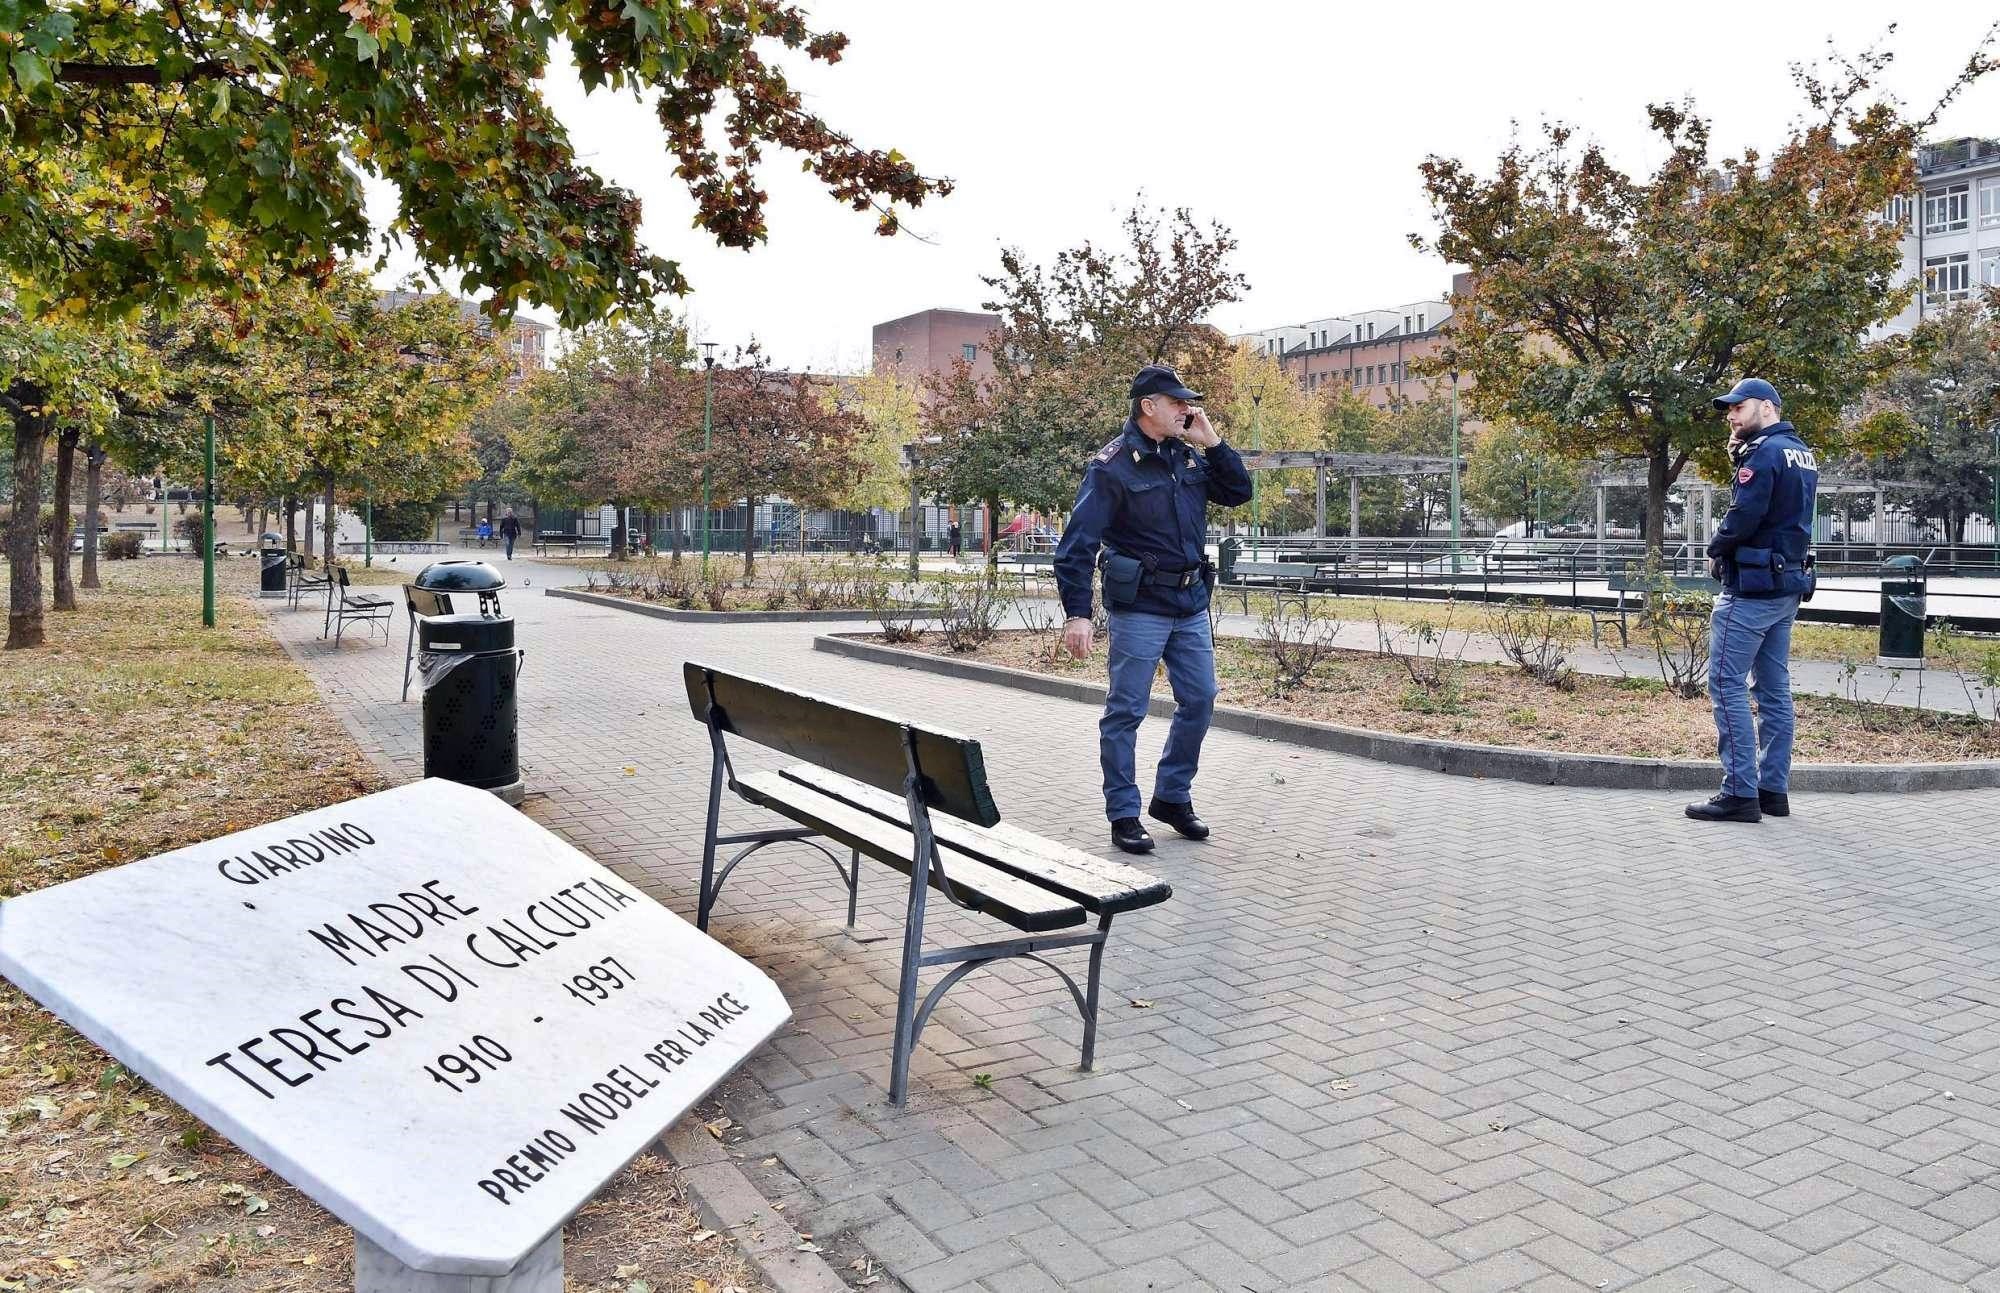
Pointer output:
326, 551
749, 538
993, 539
617, 530
290, 507
24, 608
63, 585
93, 509
1656, 507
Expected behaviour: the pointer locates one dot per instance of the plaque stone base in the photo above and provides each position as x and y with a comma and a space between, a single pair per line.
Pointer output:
375, 1271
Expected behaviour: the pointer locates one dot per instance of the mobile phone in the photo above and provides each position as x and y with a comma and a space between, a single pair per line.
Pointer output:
1187, 422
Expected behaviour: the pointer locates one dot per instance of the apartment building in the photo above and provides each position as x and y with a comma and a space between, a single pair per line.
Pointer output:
932, 341
1369, 352
1951, 227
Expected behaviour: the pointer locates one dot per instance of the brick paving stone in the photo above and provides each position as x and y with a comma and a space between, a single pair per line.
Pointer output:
1719, 1057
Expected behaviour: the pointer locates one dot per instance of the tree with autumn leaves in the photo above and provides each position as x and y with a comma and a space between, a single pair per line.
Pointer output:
1607, 309
221, 143
1072, 333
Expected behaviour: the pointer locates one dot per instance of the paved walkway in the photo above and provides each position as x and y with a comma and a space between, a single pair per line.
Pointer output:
1395, 1030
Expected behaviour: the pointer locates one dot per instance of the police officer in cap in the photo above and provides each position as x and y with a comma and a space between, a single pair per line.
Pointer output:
1763, 554
1144, 505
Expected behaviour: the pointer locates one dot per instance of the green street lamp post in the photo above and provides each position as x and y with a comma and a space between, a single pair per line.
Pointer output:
1454, 471
207, 523
707, 432
1256, 446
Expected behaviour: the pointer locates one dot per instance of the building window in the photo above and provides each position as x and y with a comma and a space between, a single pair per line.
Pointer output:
1897, 212
1422, 325
1989, 205
1371, 332
970, 352
1947, 210
899, 354
1406, 323
1947, 278
1989, 267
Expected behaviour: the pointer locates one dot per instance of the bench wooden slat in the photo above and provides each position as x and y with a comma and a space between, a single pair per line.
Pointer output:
868, 744
1100, 885
1005, 897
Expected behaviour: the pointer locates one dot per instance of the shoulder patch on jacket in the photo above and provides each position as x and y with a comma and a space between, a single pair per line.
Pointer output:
1110, 451
1743, 475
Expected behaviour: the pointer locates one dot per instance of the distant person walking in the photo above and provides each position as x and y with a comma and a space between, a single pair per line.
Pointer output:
1762, 553
510, 530
955, 536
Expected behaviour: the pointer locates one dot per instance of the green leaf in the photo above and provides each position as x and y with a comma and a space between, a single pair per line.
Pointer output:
218, 104
365, 45
30, 70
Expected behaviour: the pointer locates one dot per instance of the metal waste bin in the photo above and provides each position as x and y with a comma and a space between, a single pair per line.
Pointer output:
271, 576
470, 668
1226, 554
1905, 587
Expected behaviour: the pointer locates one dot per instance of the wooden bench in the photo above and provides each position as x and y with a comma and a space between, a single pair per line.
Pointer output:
1631, 584
419, 603
915, 798
343, 604
300, 578
571, 542
1279, 578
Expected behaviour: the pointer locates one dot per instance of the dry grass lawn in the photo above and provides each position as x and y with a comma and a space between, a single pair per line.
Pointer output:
134, 732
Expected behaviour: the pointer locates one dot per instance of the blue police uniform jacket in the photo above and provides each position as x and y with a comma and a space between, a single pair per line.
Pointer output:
1770, 512
1150, 502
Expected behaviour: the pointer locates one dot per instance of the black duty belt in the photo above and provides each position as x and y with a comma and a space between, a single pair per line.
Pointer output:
1172, 578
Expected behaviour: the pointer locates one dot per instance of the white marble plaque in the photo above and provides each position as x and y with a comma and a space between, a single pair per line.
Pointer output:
430, 1014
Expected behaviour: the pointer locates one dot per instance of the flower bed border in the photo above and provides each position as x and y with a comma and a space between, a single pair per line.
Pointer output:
1458, 758
718, 617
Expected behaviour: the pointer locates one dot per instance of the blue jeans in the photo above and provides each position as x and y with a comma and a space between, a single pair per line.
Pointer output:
1139, 641
508, 539
1753, 636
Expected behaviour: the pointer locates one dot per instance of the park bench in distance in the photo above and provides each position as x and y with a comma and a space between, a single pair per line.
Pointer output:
1281, 579
1631, 584
343, 604
1036, 568
917, 799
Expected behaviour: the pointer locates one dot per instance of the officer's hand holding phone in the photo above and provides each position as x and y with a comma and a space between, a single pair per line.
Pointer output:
1076, 637
1196, 429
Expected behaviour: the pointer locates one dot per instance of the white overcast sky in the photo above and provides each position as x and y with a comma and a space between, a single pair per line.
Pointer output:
1298, 125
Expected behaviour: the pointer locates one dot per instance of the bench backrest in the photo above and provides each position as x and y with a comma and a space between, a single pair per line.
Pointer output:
859, 743
426, 601
1277, 569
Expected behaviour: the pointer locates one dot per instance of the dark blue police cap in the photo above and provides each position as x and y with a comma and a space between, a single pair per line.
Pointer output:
1750, 388
1158, 379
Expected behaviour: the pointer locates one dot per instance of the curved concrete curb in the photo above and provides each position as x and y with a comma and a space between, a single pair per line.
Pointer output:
1459, 758
708, 617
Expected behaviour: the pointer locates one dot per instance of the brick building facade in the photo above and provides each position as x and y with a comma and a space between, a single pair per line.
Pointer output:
931, 341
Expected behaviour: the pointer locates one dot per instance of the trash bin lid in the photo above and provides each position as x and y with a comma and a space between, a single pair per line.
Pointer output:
1905, 562
459, 575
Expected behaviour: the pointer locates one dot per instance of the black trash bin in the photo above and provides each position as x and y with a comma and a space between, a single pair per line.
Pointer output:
1226, 554
1905, 588
272, 574
470, 667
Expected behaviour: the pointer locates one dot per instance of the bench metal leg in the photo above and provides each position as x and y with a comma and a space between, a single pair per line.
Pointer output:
853, 883
913, 955
707, 898
409, 652
1090, 994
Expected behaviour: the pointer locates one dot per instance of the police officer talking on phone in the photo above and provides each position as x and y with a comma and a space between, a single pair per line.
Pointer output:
1762, 553
1144, 507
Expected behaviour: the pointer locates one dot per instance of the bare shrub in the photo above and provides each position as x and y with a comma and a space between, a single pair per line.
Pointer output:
1538, 640
894, 614
969, 612
1296, 640
1431, 673
1676, 623
715, 592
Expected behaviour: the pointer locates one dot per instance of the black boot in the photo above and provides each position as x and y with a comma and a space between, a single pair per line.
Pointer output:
1775, 803
1726, 808
1179, 816
1129, 835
